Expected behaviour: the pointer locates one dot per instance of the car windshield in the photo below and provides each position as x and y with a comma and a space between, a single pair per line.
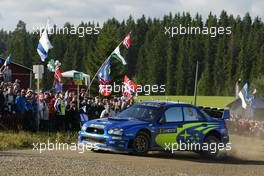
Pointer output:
140, 112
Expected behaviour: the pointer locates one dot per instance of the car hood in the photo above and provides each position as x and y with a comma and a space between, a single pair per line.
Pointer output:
115, 122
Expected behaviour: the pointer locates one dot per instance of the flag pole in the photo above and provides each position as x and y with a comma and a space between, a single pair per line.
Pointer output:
195, 85
102, 66
4, 63
98, 71
2, 67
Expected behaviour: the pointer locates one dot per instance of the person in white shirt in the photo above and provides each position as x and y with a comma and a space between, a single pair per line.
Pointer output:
7, 74
42, 119
107, 112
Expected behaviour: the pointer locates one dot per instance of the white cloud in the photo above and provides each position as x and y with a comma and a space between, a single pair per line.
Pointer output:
60, 11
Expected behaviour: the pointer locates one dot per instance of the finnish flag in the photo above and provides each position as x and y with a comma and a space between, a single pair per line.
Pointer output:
44, 46
8, 60
243, 95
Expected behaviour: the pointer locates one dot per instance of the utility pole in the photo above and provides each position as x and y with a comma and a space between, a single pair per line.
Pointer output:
38, 85
195, 85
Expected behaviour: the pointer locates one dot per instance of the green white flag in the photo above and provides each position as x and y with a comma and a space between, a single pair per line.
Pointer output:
116, 54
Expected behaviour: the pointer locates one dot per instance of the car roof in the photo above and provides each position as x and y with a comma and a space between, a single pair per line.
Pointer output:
157, 103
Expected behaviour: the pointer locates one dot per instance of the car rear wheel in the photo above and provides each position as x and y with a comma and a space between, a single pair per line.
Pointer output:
141, 143
212, 152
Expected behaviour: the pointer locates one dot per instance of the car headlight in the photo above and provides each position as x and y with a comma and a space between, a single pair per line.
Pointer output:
116, 131
84, 127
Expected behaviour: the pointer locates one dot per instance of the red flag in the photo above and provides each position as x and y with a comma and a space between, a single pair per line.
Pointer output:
57, 76
105, 89
127, 41
130, 87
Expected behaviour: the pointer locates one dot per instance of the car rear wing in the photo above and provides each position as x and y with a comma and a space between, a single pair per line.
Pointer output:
216, 112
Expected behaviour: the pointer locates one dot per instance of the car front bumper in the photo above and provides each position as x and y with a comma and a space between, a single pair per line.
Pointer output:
104, 142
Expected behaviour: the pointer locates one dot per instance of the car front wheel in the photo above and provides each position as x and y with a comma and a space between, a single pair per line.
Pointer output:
141, 143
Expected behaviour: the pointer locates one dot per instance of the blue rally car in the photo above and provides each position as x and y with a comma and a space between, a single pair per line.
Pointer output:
153, 126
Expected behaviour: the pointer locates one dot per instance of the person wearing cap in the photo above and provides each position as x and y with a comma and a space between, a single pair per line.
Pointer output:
29, 114
20, 103
59, 106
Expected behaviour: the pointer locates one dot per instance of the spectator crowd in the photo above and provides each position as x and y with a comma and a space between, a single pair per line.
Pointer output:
24, 109
246, 126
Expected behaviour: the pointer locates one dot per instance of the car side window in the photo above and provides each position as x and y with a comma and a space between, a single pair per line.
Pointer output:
174, 114
191, 114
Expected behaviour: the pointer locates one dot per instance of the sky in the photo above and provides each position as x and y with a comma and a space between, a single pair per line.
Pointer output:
35, 13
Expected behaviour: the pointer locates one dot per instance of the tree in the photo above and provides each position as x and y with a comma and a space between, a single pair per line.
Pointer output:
154, 58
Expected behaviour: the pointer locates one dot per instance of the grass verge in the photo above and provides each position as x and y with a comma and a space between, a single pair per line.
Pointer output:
211, 101
10, 140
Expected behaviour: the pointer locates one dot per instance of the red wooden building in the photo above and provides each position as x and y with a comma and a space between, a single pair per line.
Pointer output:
23, 73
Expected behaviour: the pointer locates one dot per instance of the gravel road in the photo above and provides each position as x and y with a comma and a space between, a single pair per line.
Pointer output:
244, 159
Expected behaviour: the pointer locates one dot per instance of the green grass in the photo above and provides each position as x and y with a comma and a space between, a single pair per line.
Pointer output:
211, 101
10, 140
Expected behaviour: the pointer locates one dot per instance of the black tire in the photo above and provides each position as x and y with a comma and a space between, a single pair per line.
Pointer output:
141, 143
98, 151
211, 153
